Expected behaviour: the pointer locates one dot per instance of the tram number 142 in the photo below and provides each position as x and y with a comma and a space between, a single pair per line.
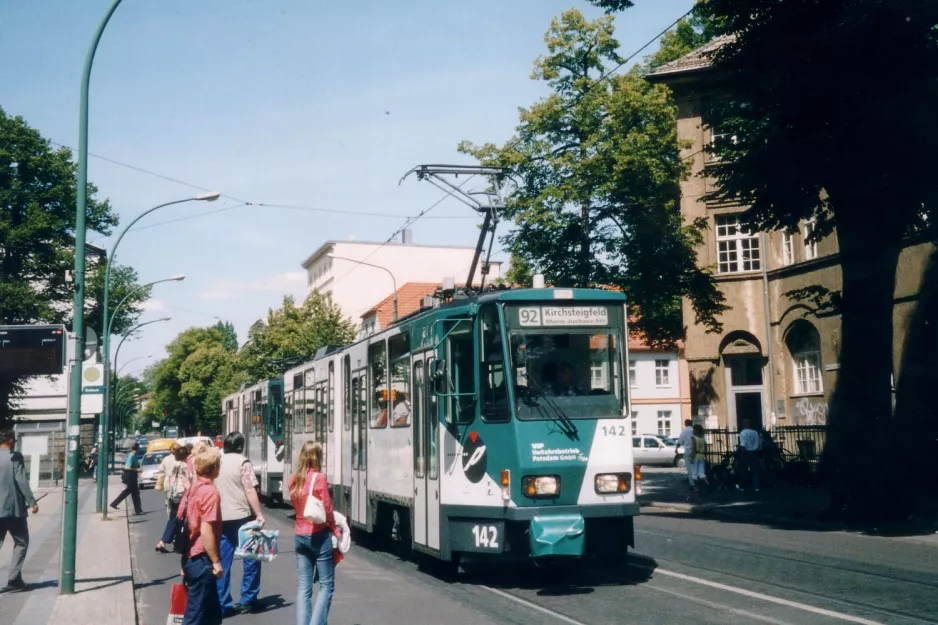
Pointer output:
486, 536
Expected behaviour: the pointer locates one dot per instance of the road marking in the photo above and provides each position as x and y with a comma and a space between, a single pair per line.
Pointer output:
769, 598
717, 606
533, 606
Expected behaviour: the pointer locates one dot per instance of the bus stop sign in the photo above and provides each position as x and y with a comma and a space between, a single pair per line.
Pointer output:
32, 350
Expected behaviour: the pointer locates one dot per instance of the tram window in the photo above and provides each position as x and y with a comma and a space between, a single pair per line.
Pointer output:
418, 413
377, 384
321, 412
288, 412
309, 405
461, 382
347, 383
433, 421
299, 418
495, 405
401, 404
276, 411
331, 398
353, 400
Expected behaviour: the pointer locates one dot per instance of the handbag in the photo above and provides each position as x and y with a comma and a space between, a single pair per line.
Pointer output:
177, 604
314, 511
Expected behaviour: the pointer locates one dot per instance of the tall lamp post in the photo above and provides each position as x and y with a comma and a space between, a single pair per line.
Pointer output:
393, 280
107, 323
70, 500
103, 488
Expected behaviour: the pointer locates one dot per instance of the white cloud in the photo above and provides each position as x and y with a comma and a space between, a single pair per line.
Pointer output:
154, 305
290, 282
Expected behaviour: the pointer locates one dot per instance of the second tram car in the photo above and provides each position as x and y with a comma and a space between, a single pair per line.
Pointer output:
490, 426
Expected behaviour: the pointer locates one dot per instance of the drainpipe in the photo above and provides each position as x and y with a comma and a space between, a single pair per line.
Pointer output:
768, 328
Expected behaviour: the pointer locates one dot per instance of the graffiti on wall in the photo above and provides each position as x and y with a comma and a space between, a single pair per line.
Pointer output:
812, 412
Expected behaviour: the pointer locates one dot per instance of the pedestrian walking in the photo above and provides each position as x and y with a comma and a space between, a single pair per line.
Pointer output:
201, 564
129, 478
313, 542
699, 459
237, 486
686, 440
176, 483
749, 445
15, 496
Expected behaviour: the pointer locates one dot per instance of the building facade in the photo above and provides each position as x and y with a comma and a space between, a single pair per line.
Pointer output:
659, 389
776, 361
336, 268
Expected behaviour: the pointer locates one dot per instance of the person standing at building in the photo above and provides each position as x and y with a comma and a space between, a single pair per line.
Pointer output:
749, 445
15, 496
201, 564
686, 440
129, 478
237, 486
700, 455
313, 541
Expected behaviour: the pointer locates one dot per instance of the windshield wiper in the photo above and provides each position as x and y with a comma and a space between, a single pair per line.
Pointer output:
567, 426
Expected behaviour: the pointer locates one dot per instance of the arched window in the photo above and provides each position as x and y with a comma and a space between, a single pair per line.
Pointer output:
804, 344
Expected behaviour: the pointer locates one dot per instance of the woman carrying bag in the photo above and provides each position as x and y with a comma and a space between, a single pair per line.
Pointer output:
314, 528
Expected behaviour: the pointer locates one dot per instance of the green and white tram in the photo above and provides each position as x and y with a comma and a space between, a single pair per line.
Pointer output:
257, 412
490, 426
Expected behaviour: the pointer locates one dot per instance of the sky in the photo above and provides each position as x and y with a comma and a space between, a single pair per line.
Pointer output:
314, 109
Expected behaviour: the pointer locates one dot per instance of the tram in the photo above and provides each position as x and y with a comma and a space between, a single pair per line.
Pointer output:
257, 412
490, 425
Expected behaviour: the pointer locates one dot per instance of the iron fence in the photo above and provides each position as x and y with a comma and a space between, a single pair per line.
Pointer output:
802, 444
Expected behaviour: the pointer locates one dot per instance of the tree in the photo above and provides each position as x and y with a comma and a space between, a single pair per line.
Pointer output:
295, 332
520, 273
599, 161
37, 233
124, 283
230, 336
191, 382
825, 129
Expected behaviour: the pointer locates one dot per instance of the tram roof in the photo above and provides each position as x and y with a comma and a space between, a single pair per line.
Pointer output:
547, 293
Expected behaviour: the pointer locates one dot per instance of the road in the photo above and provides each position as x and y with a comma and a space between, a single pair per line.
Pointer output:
683, 570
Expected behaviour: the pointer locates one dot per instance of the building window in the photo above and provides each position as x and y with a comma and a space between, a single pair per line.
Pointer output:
632, 375
662, 373
788, 248
664, 423
634, 423
737, 247
804, 344
810, 248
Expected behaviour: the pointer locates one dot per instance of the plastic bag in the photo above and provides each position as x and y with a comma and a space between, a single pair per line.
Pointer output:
255, 543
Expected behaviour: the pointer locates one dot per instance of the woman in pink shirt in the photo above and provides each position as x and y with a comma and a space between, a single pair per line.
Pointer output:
313, 545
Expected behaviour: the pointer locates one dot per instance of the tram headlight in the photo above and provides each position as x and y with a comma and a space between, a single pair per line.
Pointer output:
610, 483
541, 485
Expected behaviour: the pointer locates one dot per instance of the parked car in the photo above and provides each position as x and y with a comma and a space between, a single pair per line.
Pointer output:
654, 450
192, 440
150, 465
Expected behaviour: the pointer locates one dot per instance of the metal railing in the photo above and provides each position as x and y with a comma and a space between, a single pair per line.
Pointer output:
802, 444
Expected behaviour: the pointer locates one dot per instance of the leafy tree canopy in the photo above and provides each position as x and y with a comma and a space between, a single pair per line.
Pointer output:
37, 233
295, 332
599, 162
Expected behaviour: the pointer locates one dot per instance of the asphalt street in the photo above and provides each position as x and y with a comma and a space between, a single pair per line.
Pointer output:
683, 570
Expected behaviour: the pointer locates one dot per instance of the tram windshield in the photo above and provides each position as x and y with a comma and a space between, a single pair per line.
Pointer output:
565, 362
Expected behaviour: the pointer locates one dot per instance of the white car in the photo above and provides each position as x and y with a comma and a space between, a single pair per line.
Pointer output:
650, 449
192, 440
150, 465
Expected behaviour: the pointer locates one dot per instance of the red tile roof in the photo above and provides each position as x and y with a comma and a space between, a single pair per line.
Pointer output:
409, 298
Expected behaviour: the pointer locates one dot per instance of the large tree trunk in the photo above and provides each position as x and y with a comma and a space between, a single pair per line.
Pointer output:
860, 422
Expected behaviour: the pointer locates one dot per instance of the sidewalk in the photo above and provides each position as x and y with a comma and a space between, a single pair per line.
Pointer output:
104, 585
787, 506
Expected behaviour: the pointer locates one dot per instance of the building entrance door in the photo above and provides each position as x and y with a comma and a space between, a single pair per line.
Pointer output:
745, 389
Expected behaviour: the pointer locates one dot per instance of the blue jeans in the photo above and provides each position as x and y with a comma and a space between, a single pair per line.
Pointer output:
251, 576
202, 602
314, 551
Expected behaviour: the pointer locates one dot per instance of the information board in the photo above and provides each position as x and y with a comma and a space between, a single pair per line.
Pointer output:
559, 316
32, 350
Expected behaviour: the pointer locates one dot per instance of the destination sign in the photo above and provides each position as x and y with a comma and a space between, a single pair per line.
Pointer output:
559, 316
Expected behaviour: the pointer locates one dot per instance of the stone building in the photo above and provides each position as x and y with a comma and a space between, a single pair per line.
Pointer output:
777, 359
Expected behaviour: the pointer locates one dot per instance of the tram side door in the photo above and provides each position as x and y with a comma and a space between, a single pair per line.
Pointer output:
426, 458
357, 474
361, 497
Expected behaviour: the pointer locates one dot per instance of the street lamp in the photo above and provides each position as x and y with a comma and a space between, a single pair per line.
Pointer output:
107, 323
73, 433
118, 374
393, 280
103, 488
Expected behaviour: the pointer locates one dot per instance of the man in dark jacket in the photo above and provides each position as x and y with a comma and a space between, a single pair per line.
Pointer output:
15, 496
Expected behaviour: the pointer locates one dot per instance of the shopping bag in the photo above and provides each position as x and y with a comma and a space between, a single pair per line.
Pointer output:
256, 543
177, 604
